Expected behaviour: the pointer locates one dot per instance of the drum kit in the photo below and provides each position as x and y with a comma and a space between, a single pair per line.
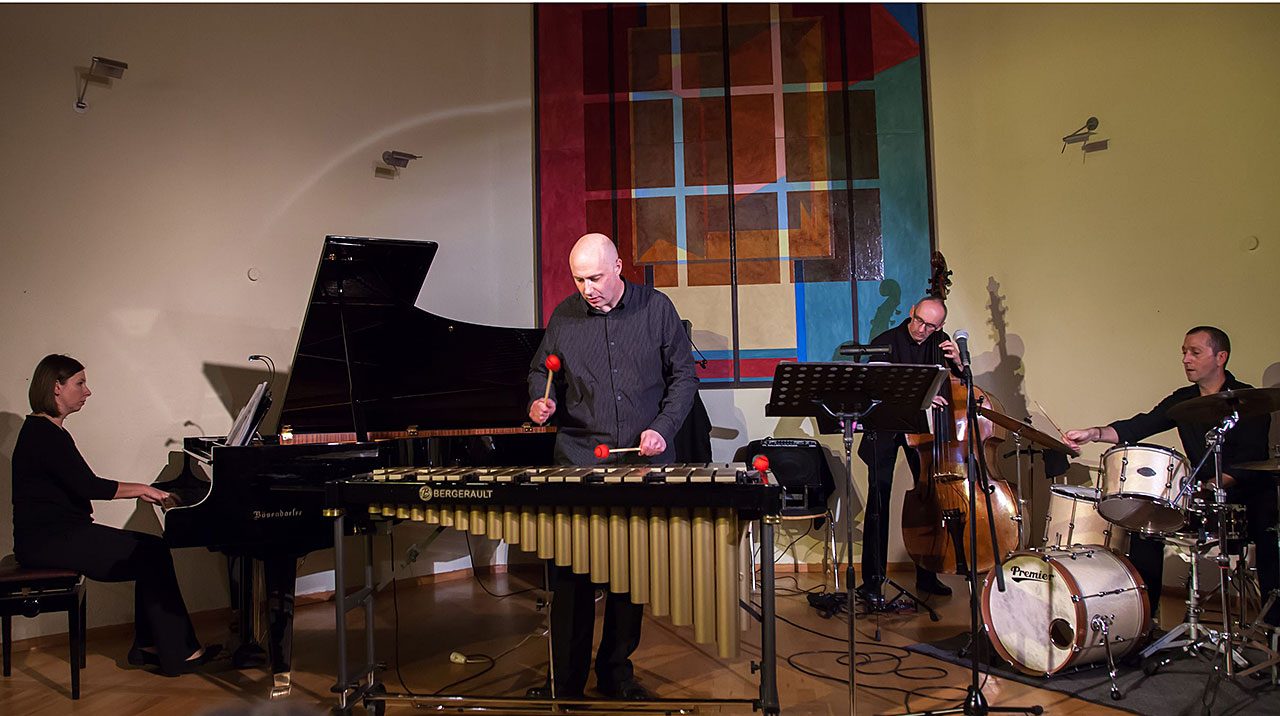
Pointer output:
1076, 600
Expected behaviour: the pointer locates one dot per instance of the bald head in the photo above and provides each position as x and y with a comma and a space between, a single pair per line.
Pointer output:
597, 271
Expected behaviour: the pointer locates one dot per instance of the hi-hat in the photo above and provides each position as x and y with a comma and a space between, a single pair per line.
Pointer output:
1212, 408
1025, 431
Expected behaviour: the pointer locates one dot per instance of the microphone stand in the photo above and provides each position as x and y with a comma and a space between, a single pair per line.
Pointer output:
975, 702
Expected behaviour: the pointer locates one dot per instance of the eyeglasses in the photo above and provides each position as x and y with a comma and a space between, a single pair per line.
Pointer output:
931, 327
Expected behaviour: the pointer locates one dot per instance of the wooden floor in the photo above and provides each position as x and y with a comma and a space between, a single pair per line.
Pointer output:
437, 619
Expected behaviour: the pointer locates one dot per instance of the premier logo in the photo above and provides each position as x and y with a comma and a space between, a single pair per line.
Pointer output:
1022, 575
428, 493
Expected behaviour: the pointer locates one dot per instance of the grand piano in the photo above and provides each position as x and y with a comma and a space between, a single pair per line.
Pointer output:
374, 382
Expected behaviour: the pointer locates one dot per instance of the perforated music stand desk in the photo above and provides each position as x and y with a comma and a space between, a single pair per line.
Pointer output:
883, 396
874, 396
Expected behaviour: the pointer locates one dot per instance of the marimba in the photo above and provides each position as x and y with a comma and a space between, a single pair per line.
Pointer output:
670, 536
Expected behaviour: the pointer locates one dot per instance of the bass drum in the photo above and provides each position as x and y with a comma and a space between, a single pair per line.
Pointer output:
1055, 602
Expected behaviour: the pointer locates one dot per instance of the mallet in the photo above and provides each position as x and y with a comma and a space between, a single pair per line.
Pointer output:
553, 364
602, 451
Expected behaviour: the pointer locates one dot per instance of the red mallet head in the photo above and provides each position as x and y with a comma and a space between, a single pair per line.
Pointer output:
760, 463
552, 362
602, 451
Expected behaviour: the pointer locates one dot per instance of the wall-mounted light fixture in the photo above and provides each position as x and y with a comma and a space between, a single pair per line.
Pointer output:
1082, 136
398, 159
100, 67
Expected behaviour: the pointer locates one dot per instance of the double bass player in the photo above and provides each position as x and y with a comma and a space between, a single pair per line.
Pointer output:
918, 339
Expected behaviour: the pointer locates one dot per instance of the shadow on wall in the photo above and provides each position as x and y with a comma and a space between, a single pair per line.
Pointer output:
234, 385
887, 312
1271, 379
1005, 383
885, 317
10, 424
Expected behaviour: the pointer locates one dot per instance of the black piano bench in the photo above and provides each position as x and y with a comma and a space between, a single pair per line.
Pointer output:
28, 592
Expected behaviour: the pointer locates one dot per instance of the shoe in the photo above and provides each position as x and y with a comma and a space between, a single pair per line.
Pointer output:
933, 585
142, 657
544, 692
191, 665
629, 690
870, 594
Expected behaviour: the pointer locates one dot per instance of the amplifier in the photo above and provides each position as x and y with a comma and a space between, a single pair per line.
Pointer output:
800, 467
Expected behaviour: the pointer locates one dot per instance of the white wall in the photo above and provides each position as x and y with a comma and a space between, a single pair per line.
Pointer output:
239, 137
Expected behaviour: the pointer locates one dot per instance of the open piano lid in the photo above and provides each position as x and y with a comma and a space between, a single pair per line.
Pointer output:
368, 360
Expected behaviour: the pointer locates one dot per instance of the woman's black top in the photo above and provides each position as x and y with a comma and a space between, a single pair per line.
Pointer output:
52, 484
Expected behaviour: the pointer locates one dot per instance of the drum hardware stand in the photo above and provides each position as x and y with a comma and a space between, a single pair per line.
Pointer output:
892, 398
975, 702
1226, 640
1031, 472
1100, 623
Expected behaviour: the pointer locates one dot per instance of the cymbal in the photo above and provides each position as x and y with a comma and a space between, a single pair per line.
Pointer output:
1212, 408
1025, 431
1272, 465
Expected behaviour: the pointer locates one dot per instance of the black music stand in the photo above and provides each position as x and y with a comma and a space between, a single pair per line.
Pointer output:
886, 397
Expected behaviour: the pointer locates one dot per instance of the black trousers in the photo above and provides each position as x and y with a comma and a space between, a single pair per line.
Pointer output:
1147, 553
880, 453
107, 554
573, 618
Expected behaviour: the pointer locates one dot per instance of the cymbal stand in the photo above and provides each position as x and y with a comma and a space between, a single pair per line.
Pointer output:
1226, 640
1022, 491
975, 702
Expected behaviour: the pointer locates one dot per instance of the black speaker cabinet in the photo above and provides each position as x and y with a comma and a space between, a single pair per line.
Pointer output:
800, 466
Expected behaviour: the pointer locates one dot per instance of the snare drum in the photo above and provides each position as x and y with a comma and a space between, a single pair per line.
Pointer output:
1055, 602
1073, 519
1139, 486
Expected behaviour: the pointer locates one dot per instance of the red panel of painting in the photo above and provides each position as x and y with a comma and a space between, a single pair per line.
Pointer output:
751, 368
705, 149
750, 46
754, 157
561, 153
892, 45
803, 50
653, 146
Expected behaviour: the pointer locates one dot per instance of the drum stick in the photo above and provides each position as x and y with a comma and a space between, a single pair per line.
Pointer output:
553, 364
1050, 419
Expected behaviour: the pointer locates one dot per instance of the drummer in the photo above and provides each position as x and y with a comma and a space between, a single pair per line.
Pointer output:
1205, 351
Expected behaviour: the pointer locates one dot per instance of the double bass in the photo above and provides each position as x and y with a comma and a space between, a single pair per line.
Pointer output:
935, 512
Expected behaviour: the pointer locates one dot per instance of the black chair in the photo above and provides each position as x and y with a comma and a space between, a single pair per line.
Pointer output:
28, 592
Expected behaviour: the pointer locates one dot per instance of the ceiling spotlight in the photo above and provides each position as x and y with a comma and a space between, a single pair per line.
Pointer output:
100, 67
398, 159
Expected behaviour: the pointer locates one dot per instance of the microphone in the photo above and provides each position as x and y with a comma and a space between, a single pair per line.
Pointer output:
860, 349
458, 657
962, 343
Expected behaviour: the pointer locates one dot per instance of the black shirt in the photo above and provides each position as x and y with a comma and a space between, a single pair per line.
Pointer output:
622, 372
1246, 442
906, 350
52, 484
